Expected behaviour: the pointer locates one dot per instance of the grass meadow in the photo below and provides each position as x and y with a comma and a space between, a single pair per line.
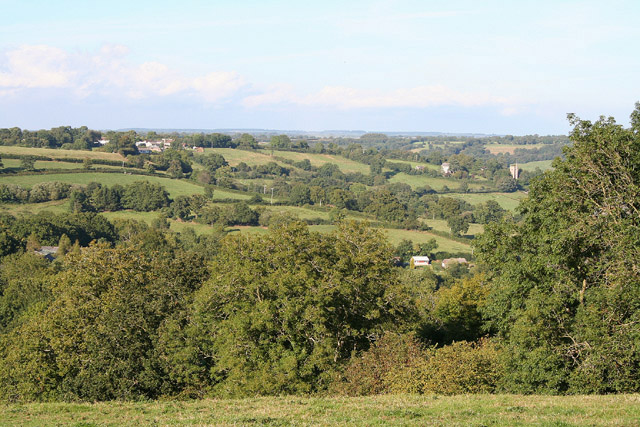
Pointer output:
46, 164
508, 201
255, 158
396, 410
414, 164
59, 153
494, 148
345, 165
251, 158
417, 181
174, 187
542, 164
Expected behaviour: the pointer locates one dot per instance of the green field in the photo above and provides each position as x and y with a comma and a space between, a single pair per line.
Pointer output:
464, 410
444, 244
148, 218
542, 164
251, 158
255, 158
394, 236
495, 148
508, 201
441, 225
414, 164
417, 181
345, 165
174, 187
56, 206
58, 153
44, 164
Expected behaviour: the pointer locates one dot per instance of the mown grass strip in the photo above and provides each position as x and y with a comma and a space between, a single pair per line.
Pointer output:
465, 410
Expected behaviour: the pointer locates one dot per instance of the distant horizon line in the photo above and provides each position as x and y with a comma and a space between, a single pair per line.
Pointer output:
328, 132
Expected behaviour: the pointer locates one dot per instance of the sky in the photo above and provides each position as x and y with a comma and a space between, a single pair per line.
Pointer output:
496, 67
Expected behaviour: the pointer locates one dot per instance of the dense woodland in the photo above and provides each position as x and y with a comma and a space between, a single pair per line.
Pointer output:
129, 310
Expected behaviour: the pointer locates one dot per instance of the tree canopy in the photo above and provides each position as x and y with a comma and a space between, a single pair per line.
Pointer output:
565, 292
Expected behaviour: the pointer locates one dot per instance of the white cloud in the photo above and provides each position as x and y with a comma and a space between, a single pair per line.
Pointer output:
109, 72
347, 98
217, 85
275, 94
36, 67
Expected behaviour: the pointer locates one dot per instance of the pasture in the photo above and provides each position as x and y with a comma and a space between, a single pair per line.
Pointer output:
400, 410
414, 164
59, 153
494, 148
543, 165
261, 157
508, 201
444, 244
441, 225
317, 160
17, 209
46, 164
417, 181
174, 187
251, 158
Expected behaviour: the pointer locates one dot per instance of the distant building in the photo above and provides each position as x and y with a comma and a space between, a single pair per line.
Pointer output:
446, 168
154, 146
515, 172
49, 252
446, 263
103, 141
419, 261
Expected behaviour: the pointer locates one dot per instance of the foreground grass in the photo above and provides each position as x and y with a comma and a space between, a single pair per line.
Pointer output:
478, 410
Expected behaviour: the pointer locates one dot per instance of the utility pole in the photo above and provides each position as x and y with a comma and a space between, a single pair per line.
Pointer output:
272, 195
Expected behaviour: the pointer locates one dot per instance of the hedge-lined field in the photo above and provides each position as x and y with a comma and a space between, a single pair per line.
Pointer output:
58, 153
174, 187
417, 181
465, 410
46, 164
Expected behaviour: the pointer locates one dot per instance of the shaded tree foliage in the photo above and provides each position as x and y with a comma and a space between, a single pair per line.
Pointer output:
282, 311
565, 293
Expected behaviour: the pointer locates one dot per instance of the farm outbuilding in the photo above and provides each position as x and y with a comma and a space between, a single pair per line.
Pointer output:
419, 261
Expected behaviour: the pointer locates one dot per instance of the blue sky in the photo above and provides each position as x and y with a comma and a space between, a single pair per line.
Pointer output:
451, 66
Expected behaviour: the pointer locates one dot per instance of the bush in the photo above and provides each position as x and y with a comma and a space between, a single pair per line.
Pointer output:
398, 364
462, 367
369, 374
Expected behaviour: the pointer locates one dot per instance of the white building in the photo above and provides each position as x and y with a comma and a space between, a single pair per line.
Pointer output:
515, 173
446, 168
419, 261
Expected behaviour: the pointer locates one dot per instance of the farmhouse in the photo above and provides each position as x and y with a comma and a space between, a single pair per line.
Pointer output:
419, 261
